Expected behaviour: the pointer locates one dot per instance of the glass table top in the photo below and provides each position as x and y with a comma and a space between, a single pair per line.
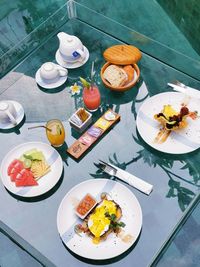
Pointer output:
175, 177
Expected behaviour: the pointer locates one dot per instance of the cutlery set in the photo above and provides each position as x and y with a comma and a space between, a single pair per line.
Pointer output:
187, 90
126, 177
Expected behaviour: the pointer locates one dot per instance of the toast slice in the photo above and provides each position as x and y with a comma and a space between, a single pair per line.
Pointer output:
115, 75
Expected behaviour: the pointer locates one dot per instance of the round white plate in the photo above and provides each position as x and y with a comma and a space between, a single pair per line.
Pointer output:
74, 65
113, 245
20, 116
56, 83
45, 183
182, 141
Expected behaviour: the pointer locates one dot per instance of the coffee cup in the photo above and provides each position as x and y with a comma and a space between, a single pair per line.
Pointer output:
51, 72
8, 113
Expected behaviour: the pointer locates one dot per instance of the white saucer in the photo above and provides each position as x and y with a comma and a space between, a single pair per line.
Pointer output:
54, 84
20, 116
74, 65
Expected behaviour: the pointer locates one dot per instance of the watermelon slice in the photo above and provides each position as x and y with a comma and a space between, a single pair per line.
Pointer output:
11, 166
14, 168
13, 176
25, 178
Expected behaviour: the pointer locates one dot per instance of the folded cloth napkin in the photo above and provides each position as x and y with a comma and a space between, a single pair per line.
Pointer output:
133, 180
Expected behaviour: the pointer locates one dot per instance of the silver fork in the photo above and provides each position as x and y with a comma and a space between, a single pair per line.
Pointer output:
107, 168
126, 177
179, 84
188, 91
176, 82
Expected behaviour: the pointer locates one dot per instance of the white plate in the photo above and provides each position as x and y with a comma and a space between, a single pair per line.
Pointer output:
45, 183
20, 116
74, 65
179, 142
113, 245
56, 83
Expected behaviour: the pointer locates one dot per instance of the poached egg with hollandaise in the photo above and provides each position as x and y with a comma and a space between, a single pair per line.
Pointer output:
98, 221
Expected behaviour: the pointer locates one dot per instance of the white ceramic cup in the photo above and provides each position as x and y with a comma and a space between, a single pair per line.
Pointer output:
8, 113
51, 72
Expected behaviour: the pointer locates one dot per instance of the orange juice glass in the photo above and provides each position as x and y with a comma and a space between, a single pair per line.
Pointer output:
91, 97
55, 132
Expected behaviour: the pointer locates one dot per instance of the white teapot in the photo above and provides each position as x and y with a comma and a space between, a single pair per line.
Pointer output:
71, 47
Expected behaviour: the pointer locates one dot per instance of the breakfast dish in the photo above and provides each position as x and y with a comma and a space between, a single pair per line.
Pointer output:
120, 72
118, 211
20, 115
172, 120
31, 169
167, 124
101, 219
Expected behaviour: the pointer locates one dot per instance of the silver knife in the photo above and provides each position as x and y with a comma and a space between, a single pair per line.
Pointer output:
189, 91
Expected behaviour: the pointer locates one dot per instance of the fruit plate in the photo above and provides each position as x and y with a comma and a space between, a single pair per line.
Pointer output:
178, 142
46, 182
113, 246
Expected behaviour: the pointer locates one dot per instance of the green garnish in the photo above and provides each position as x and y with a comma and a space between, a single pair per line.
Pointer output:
114, 224
121, 224
27, 157
85, 83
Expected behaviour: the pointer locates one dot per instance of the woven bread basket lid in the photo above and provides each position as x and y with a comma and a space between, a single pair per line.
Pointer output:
122, 54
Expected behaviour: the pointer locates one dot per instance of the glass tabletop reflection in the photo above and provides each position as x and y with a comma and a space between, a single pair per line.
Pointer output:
175, 177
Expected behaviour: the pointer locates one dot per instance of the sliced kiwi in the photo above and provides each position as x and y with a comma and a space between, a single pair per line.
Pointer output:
27, 163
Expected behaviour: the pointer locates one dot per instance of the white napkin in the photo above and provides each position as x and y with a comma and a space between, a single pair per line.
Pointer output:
133, 180
192, 92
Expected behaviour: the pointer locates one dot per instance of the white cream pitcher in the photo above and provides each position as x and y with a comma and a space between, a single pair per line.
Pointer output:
70, 47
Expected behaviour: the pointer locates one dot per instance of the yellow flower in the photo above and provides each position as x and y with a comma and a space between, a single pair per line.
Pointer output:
75, 89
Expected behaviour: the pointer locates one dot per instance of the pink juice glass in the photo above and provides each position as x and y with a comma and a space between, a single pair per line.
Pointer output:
91, 97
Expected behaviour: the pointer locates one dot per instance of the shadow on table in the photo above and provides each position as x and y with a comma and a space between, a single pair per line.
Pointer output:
41, 197
15, 129
53, 90
119, 98
106, 261
62, 150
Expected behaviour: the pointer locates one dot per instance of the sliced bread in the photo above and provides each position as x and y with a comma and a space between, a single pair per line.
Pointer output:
115, 75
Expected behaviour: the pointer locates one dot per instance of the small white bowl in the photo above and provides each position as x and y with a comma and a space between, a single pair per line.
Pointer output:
84, 125
82, 216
